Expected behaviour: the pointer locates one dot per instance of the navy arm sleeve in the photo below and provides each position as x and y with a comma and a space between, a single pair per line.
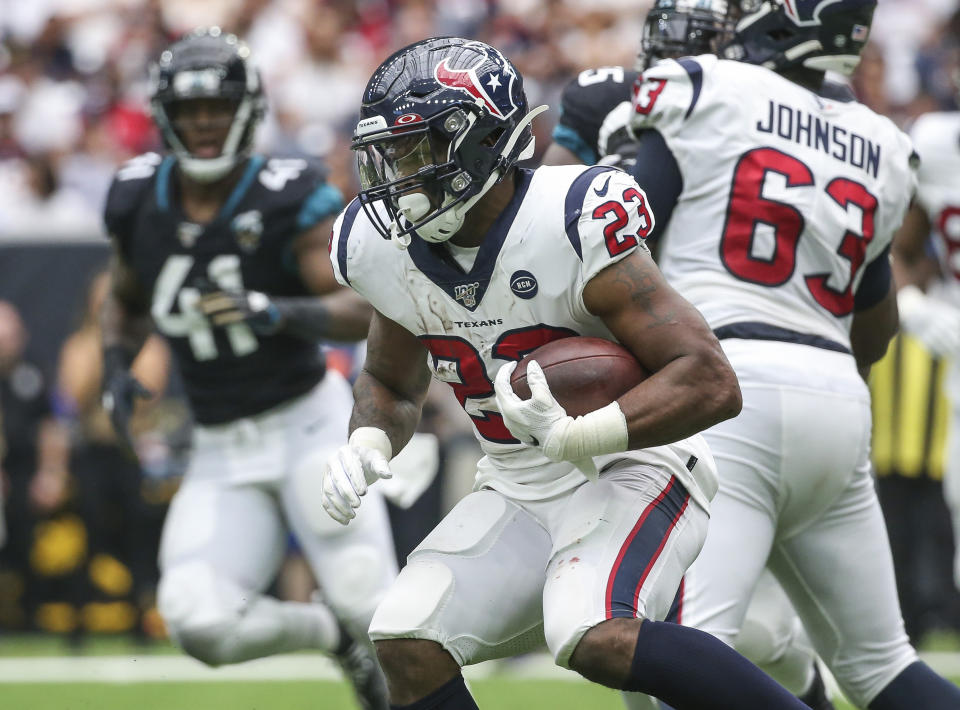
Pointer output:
657, 172
875, 283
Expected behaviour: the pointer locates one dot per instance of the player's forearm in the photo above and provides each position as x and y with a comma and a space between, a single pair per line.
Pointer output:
343, 316
123, 331
376, 405
690, 394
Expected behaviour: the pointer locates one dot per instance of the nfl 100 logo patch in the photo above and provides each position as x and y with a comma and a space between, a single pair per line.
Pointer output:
466, 293
248, 228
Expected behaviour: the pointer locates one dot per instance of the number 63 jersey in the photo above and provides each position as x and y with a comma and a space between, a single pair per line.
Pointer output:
230, 372
524, 289
789, 199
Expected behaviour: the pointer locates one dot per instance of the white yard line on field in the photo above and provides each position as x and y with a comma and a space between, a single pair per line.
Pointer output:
301, 666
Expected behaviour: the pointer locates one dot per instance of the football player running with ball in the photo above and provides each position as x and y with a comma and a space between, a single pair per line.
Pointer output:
579, 530
225, 252
780, 234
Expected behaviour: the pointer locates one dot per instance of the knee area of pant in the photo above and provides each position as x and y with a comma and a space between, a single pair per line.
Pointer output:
765, 640
361, 579
413, 602
200, 610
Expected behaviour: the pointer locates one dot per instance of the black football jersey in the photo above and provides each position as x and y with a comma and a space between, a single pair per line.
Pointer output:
594, 111
230, 372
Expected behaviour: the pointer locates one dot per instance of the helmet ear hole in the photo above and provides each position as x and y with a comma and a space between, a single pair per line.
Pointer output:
493, 137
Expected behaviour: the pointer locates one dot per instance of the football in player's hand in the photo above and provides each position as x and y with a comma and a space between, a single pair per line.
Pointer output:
584, 374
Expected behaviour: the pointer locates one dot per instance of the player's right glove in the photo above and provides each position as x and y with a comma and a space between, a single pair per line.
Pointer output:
934, 323
352, 469
120, 391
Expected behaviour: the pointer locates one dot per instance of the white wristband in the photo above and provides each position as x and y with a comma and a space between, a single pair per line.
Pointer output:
371, 437
603, 431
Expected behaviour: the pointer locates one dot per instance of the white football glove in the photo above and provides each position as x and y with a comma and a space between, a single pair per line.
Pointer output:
352, 469
540, 421
934, 323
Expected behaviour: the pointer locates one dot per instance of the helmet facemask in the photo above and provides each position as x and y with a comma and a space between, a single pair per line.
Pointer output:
426, 174
207, 65
671, 32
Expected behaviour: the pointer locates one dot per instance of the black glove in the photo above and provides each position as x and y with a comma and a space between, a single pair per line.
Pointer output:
120, 391
223, 308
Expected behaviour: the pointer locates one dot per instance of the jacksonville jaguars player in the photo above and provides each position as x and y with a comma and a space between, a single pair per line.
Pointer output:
780, 234
928, 273
595, 107
225, 251
579, 530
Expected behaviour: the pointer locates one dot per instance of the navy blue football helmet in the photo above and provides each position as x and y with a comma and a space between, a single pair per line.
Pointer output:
682, 28
442, 121
207, 64
816, 34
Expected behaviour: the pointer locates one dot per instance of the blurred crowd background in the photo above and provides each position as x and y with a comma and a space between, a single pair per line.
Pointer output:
82, 516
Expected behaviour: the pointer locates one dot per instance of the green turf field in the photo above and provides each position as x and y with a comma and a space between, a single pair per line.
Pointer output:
274, 695
44, 673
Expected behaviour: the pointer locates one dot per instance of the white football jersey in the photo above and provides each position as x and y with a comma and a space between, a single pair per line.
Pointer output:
563, 226
936, 137
795, 193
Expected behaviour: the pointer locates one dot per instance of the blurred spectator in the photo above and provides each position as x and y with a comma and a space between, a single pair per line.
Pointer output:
12, 91
33, 470
33, 203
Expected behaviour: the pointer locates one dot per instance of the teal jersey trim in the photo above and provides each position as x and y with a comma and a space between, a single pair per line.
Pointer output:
571, 140
323, 202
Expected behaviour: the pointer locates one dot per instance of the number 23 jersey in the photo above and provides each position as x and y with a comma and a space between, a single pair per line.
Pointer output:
787, 196
564, 225
230, 372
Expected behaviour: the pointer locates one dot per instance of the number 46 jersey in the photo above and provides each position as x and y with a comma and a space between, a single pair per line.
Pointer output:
525, 288
798, 195
230, 372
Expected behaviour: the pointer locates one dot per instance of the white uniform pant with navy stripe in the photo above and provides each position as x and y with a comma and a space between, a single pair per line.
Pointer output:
499, 576
796, 494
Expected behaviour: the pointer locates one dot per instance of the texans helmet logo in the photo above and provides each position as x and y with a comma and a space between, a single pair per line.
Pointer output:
807, 12
492, 89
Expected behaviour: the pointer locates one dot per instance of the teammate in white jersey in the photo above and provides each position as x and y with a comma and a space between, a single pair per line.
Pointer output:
928, 272
579, 530
594, 127
780, 235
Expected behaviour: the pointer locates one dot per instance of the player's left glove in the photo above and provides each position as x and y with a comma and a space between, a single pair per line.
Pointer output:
542, 422
352, 469
120, 392
223, 308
